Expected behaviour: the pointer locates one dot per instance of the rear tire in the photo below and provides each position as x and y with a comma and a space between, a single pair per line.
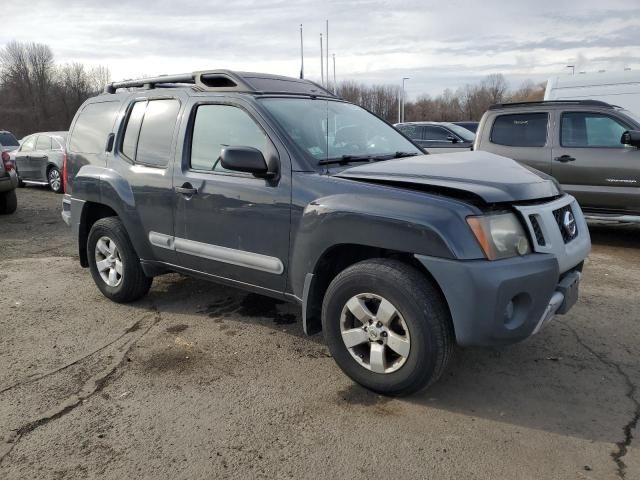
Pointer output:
404, 339
55, 179
114, 264
8, 202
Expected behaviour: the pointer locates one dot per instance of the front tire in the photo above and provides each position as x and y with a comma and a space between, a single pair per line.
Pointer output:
387, 326
55, 179
8, 202
114, 264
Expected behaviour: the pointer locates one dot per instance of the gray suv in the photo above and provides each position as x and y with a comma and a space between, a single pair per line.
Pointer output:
273, 185
589, 146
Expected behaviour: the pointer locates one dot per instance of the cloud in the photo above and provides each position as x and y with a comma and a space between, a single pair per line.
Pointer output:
438, 44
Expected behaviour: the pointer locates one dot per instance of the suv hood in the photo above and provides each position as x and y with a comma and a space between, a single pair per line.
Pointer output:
491, 177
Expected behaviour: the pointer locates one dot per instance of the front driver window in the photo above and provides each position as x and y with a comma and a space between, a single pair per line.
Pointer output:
219, 126
584, 129
28, 144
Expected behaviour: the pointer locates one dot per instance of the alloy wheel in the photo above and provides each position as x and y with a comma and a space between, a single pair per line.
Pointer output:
108, 261
375, 333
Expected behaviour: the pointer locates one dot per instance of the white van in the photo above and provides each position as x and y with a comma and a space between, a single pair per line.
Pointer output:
617, 88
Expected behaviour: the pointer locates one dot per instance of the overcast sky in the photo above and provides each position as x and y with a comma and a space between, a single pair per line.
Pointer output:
438, 44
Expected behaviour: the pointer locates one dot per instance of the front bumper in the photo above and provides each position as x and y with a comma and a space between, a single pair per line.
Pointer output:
505, 301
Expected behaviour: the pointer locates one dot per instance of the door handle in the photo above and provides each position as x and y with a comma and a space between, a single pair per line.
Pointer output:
186, 189
565, 159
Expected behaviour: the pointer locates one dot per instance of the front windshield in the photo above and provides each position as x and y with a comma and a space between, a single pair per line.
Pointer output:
466, 135
328, 130
631, 115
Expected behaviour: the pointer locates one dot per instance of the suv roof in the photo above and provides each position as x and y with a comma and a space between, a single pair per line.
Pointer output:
227, 81
551, 103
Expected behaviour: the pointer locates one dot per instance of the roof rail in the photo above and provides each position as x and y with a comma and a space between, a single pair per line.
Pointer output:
594, 103
226, 80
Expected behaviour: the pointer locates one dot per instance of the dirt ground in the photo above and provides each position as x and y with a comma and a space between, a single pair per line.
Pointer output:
203, 381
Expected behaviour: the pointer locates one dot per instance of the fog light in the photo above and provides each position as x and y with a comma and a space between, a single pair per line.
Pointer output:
508, 312
517, 310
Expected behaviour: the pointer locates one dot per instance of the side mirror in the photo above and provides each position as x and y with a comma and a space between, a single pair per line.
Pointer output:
245, 159
631, 137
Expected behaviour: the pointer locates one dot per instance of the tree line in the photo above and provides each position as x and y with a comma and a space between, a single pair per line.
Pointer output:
36, 94
466, 103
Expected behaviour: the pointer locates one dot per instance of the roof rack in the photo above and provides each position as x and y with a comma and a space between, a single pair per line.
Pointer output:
226, 81
593, 103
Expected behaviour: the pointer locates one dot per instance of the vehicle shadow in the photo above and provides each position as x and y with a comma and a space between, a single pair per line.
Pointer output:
615, 235
179, 294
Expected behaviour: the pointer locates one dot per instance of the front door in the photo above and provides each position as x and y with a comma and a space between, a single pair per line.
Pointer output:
23, 158
40, 158
232, 225
593, 165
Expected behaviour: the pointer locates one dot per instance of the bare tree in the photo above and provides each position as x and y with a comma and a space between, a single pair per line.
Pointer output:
36, 95
27, 78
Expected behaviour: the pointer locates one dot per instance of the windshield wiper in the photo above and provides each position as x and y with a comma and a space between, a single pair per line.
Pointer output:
345, 159
405, 154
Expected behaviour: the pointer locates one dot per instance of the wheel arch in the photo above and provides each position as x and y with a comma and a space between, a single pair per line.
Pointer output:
91, 213
334, 260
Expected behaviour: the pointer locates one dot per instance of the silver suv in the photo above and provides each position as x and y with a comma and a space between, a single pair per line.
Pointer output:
589, 146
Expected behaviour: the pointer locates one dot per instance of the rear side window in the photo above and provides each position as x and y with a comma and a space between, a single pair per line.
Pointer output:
132, 130
92, 127
520, 130
43, 143
411, 131
149, 132
585, 129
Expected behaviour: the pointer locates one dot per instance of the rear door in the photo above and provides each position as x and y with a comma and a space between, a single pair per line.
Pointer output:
144, 156
232, 225
593, 165
40, 158
23, 158
524, 137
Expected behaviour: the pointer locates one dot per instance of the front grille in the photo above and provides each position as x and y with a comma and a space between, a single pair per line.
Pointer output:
537, 231
566, 223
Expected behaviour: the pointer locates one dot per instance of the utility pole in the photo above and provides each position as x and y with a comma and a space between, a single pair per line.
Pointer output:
321, 62
327, 45
335, 85
402, 97
301, 54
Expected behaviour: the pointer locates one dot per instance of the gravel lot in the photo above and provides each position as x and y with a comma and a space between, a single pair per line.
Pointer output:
203, 381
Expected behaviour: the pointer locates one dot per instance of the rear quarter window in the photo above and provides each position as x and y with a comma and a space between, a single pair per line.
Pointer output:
520, 130
149, 130
92, 127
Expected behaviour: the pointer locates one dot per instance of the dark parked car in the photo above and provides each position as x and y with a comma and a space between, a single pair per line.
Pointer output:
471, 126
590, 147
8, 183
274, 185
40, 159
438, 137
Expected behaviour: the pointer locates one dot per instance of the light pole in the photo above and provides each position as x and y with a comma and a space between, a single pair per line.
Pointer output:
402, 100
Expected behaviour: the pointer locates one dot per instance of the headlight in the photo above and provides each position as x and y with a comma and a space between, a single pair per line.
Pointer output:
500, 235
